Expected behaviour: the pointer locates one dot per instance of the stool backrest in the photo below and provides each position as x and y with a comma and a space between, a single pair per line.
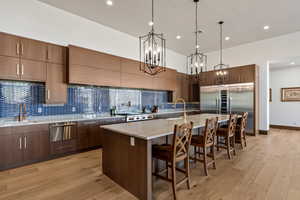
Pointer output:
243, 124
211, 126
182, 140
232, 124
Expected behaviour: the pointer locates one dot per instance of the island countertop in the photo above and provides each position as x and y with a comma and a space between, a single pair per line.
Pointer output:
152, 129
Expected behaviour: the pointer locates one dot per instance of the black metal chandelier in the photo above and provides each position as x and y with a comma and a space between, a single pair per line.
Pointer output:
197, 62
152, 51
221, 72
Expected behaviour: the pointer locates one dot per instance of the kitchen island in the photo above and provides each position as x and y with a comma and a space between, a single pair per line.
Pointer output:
127, 150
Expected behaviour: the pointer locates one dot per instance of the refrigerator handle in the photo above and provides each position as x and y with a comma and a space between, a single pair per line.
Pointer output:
229, 105
217, 105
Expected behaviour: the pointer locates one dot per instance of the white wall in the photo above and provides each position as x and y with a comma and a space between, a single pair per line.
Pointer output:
260, 53
284, 113
34, 19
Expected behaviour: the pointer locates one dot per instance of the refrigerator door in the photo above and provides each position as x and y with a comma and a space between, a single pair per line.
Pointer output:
210, 99
241, 99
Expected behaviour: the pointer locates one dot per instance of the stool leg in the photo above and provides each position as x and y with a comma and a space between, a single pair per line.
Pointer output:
213, 156
174, 180
233, 145
205, 161
218, 148
187, 172
228, 147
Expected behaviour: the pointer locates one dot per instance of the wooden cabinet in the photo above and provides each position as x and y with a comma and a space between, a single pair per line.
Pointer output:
56, 54
182, 87
34, 142
241, 74
56, 87
33, 50
93, 68
9, 45
21, 145
33, 70
9, 68
10, 148
88, 135
132, 77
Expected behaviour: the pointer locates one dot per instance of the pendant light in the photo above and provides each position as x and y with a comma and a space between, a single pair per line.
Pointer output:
221, 72
152, 51
197, 62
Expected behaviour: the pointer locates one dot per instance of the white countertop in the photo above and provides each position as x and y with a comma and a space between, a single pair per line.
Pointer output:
152, 129
73, 118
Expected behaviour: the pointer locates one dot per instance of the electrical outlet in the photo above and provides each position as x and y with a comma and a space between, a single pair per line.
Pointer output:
73, 109
40, 110
132, 141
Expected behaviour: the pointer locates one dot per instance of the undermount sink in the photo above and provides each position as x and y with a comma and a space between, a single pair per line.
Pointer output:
175, 118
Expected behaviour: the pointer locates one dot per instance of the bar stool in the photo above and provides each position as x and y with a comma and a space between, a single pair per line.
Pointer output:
174, 153
228, 136
205, 141
240, 133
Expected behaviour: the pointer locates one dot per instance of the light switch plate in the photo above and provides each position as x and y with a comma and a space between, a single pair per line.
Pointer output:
73, 109
40, 110
132, 141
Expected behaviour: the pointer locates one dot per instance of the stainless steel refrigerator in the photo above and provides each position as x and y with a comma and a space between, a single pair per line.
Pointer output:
229, 99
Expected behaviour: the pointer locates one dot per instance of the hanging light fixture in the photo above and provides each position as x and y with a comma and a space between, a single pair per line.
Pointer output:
221, 72
152, 51
197, 62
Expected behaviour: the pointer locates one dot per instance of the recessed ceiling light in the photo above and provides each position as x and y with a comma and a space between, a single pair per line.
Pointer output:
151, 23
109, 2
178, 37
266, 27
227, 38
292, 63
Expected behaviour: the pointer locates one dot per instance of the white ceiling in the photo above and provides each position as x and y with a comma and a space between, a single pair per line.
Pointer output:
244, 19
284, 63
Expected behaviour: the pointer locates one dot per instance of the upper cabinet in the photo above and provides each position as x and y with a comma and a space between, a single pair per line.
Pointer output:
33, 50
93, 68
165, 80
56, 54
9, 45
241, 74
132, 77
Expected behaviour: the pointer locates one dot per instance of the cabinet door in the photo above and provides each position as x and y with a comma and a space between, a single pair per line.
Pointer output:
33, 70
83, 136
9, 45
9, 68
56, 87
33, 50
44, 145
31, 146
10, 148
56, 54
95, 135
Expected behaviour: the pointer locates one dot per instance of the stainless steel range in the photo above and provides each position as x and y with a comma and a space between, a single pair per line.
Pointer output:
133, 117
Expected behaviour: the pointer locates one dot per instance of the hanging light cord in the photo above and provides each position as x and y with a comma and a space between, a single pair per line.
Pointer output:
221, 43
153, 15
196, 27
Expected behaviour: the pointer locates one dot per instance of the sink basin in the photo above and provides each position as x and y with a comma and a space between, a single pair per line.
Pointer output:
175, 118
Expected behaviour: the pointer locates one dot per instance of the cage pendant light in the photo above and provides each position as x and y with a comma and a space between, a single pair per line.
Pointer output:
152, 51
221, 72
197, 62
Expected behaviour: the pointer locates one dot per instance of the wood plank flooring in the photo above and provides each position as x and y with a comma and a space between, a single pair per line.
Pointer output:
268, 169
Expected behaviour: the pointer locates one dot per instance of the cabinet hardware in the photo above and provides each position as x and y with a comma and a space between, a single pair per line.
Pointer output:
18, 48
20, 143
18, 69
22, 69
48, 94
22, 49
25, 142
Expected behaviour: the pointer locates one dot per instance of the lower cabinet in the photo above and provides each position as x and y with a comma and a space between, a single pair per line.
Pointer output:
89, 135
24, 144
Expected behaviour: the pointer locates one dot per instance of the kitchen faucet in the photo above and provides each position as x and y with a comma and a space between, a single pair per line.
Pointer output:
184, 108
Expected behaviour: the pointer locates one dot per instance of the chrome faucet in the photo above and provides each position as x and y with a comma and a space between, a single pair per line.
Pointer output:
184, 108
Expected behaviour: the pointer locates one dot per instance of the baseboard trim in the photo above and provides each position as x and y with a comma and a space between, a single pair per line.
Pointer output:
263, 132
285, 127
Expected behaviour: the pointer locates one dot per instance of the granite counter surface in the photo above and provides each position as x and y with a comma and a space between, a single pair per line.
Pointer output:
152, 129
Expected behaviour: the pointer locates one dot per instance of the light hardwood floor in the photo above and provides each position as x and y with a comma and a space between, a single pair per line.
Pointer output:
268, 169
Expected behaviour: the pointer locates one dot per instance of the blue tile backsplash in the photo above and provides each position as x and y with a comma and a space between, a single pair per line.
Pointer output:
81, 100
